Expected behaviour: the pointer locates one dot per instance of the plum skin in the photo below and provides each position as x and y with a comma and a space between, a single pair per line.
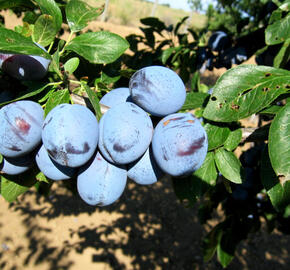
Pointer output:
70, 134
20, 131
145, 170
125, 133
116, 96
157, 90
179, 144
24, 67
50, 168
100, 182
18, 165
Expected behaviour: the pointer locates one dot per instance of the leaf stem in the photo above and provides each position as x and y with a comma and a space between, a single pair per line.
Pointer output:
67, 42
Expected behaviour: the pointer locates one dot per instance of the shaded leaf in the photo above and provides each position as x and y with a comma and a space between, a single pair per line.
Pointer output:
99, 47
245, 90
226, 247
229, 165
7, 4
283, 56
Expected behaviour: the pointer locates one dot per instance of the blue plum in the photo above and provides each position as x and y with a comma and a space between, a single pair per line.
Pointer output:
100, 182
50, 168
158, 90
24, 67
116, 96
179, 144
145, 170
125, 133
218, 41
70, 134
20, 131
18, 165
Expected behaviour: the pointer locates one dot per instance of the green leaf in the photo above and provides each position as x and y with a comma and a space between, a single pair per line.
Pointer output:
44, 30
100, 47
245, 90
54, 65
71, 65
166, 54
12, 42
51, 8
58, 97
12, 187
278, 192
93, 97
278, 32
279, 144
283, 56
1, 158
274, 109
42, 178
154, 23
207, 172
210, 242
79, 13
34, 88
216, 135
229, 165
226, 248
233, 140
194, 100
7, 4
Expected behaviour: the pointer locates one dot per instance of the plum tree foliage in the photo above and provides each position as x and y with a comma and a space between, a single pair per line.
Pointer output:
56, 122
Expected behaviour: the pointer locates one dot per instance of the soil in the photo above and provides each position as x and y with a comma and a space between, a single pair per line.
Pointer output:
147, 228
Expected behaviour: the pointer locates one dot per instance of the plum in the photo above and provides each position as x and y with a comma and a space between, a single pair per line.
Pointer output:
50, 168
125, 133
179, 144
116, 96
20, 131
218, 41
158, 90
16, 165
24, 67
70, 134
100, 182
145, 170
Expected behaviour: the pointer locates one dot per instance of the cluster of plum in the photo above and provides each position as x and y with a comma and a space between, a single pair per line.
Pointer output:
70, 142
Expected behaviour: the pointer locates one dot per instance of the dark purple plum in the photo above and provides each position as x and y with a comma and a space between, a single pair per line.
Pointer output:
18, 165
145, 170
50, 168
125, 133
20, 131
100, 182
179, 144
116, 96
218, 41
158, 90
70, 134
24, 67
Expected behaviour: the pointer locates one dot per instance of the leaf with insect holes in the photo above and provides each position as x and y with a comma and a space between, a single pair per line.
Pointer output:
12, 42
99, 47
44, 30
245, 90
79, 13
279, 143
